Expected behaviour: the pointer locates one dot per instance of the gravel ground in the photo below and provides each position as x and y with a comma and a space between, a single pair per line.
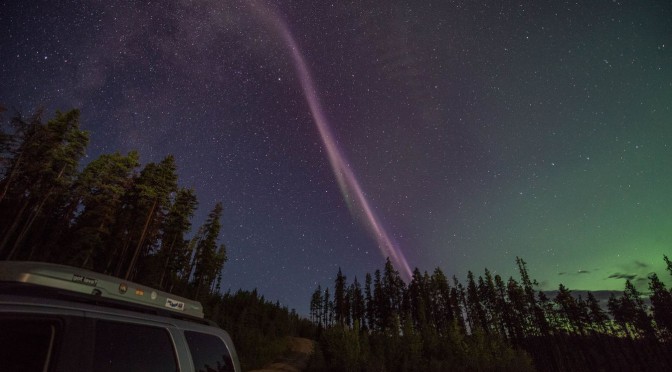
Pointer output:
295, 360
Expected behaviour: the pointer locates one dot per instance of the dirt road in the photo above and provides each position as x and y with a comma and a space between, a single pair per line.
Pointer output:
296, 360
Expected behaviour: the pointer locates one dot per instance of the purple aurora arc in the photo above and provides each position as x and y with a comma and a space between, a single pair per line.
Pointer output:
350, 187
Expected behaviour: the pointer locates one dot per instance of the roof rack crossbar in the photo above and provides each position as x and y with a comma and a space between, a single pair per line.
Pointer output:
96, 284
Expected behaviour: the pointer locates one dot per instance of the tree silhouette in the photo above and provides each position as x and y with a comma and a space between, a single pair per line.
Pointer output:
340, 309
98, 191
40, 173
661, 306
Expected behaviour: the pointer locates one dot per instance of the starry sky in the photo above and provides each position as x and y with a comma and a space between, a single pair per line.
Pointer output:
451, 134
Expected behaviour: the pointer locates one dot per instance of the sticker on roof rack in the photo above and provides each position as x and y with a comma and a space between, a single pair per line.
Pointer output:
174, 304
84, 280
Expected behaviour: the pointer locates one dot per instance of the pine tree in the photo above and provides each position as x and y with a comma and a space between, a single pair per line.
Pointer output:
316, 306
348, 306
393, 289
207, 258
174, 251
40, 174
340, 298
327, 308
357, 303
640, 317
475, 309
630, 313
546, 306
145, 205
220, 258
661, 306
416, 299
369, 303
597, 317
568, 310
98, 191
503, 308
155, 185
441, 304
460, 303
517, 308
20, 150
380, 303
582, 315
621, 313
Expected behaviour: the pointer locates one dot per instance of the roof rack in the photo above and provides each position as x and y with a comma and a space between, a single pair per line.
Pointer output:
88, 282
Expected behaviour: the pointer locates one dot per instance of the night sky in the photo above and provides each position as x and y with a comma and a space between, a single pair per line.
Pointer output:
454, 134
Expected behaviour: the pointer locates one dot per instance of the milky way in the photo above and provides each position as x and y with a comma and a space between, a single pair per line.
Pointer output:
347, 181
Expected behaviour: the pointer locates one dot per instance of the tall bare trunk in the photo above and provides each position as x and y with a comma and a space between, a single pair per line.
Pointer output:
10, 231
165, 265
141, 241
33, 216
10, 178
120, 259
26, 227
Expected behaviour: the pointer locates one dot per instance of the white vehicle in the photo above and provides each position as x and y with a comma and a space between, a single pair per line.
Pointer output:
61, 318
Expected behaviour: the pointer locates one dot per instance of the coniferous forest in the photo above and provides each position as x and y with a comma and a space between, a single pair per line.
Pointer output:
113, 216
489, 323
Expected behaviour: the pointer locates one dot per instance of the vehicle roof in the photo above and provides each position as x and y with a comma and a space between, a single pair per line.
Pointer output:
53, 281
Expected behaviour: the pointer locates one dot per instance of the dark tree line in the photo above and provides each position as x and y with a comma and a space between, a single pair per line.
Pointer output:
433, 323
111, 216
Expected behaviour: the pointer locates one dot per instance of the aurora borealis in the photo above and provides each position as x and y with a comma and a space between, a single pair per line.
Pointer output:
477, 132
349, 185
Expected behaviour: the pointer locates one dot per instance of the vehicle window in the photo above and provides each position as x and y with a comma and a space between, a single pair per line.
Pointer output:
26, 345
208, 352
132, 347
